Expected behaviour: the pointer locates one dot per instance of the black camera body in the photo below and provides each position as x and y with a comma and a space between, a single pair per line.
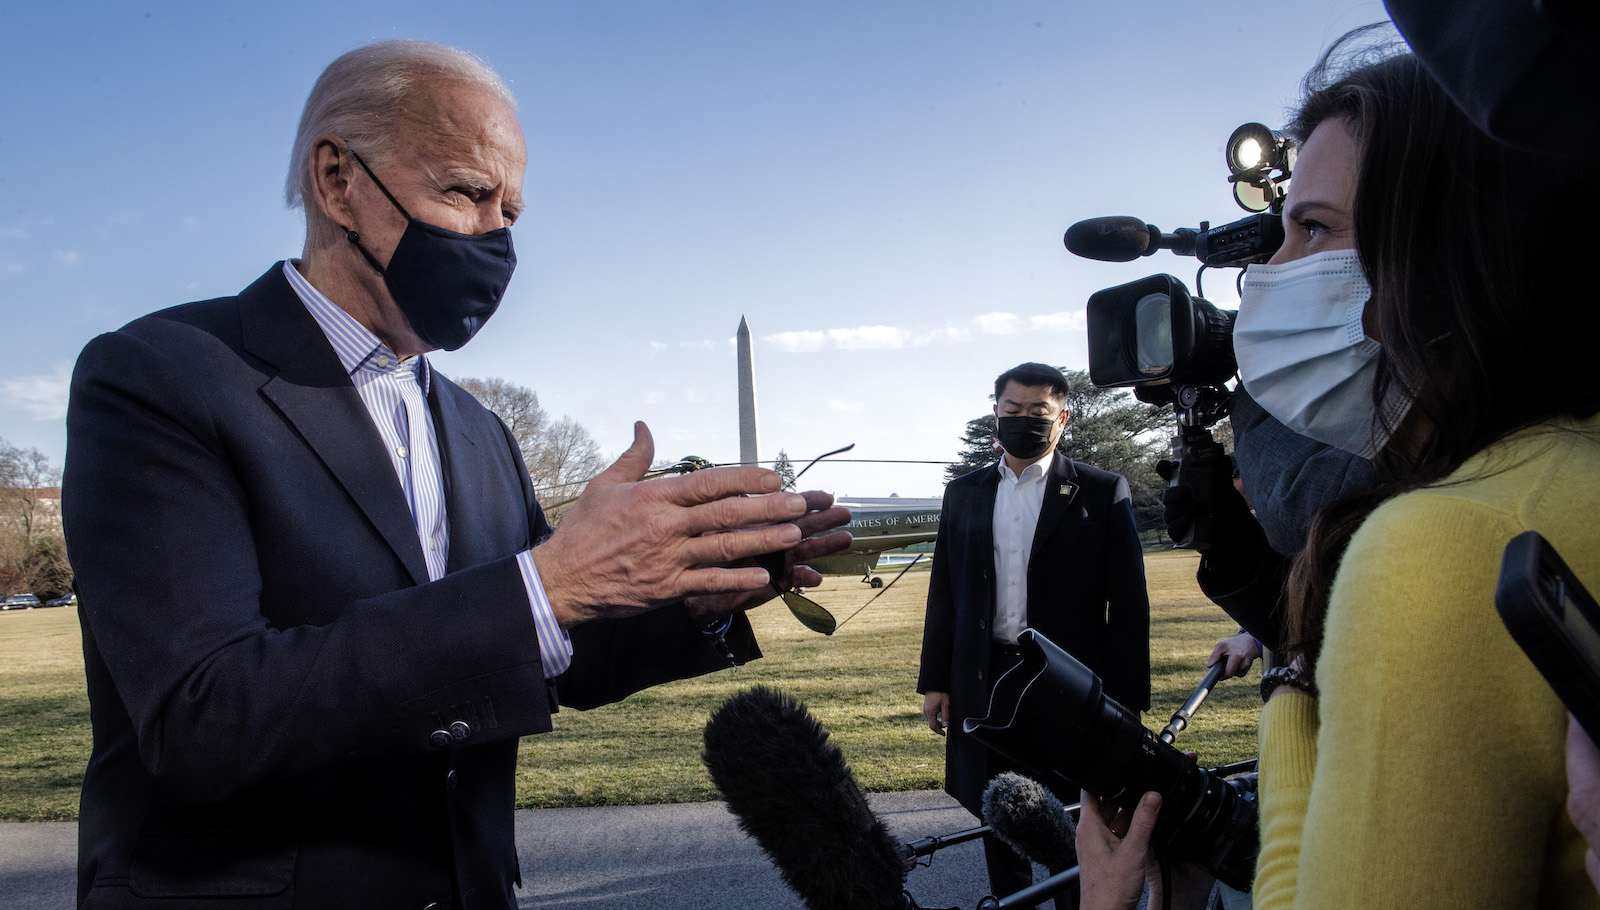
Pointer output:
1050, 715
1172, 347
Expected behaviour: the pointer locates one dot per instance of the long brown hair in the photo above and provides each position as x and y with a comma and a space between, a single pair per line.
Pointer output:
1480, 280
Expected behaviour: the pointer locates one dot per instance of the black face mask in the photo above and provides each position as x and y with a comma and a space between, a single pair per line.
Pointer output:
447, 284
1025, 437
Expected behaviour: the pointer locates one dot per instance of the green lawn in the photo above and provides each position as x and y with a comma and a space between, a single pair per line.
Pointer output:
860, 683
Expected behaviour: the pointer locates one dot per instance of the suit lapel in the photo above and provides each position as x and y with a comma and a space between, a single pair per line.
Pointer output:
1060, 489
983, 513
463, 466
315, 395
982, 516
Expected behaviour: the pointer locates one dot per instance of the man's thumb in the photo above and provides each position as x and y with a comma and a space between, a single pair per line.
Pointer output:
632, 464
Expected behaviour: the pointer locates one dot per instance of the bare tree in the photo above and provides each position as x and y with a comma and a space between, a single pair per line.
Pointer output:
25, 477
516, 406
560, 454
32, 557
567, 458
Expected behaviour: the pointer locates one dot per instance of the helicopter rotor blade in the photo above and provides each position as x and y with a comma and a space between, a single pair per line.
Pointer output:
883, 589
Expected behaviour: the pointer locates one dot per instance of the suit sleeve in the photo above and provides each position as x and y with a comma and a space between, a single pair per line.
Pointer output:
938, 628
1128, 606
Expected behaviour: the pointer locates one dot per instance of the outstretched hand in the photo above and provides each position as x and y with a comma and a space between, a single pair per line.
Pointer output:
821, 516
626, 546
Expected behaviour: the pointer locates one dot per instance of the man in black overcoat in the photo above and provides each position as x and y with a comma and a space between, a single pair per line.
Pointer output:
1035, 541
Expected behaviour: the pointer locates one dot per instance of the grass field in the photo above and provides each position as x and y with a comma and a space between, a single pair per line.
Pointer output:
860, 683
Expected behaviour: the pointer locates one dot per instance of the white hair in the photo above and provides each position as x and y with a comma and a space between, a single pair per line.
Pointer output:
360, 98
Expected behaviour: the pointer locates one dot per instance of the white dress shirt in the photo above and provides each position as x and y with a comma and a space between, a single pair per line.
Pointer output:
395, 392
1017, 502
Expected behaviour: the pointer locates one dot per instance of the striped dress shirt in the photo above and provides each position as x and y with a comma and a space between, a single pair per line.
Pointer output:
395, 392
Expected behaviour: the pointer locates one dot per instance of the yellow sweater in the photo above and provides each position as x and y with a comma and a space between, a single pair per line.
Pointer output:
1436, 777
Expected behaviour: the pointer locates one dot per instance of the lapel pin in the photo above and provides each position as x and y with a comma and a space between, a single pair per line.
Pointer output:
1067, 489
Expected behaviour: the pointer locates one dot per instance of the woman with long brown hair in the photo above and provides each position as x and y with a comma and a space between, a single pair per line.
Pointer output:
1433, 304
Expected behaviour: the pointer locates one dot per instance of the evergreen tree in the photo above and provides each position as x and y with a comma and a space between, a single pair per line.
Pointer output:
977, 448
785, 470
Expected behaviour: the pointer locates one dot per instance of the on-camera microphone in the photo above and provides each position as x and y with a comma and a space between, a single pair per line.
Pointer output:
1124, 238
1028, 817
1114, 238
791, 790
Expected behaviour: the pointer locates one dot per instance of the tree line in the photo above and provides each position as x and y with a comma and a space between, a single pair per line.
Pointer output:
33, 555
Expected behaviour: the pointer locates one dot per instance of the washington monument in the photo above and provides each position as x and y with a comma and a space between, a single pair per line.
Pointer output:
747, 398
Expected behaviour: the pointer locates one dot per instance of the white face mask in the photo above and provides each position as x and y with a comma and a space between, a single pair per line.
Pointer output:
1304, 356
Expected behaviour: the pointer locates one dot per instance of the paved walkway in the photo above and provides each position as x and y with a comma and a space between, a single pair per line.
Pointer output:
690, 855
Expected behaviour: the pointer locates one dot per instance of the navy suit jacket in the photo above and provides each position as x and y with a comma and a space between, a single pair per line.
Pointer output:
269, 668
1086, 593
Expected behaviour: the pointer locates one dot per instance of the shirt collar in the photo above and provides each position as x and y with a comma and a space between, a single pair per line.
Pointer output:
356, 346
1028, 472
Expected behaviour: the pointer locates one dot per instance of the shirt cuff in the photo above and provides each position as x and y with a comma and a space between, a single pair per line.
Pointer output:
555, 646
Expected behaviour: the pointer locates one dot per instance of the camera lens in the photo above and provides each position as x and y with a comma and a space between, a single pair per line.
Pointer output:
1152, 318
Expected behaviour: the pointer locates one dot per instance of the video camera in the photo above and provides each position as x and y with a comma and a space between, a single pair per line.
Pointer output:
1172, 347
1050, 715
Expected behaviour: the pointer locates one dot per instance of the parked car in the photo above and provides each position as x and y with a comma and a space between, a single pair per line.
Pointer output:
66, 600
20, 602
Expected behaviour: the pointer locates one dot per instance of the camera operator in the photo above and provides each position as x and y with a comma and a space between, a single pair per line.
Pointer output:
1468, 349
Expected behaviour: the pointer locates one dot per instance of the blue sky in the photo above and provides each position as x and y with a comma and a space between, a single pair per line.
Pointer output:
879, 187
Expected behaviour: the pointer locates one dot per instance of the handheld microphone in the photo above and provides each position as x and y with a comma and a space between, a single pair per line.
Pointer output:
1028, 817
791, 790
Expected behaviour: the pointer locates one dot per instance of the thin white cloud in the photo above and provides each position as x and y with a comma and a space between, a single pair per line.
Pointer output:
653, 397
659, 346
878, 337
950, 334
67, 258
12, 266
191, 222
849, 407
869, 337
996, 323
796, 342
13, 233
43, 397
1073, 321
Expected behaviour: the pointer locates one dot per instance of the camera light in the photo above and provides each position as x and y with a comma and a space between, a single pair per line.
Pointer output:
1260, 162
1253, 147
1248, 153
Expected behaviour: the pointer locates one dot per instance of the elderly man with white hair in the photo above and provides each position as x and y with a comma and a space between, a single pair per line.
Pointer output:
319, 602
